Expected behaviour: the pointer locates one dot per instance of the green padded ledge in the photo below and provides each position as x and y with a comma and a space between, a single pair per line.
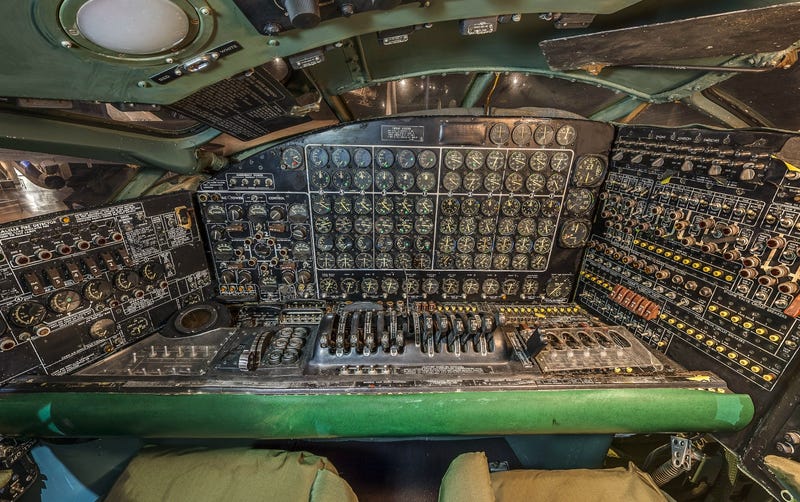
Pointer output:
94, 414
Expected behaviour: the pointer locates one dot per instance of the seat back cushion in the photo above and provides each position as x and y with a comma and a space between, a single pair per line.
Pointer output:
467, 479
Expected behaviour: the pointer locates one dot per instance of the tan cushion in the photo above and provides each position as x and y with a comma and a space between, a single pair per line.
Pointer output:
467, 479
576, 485
239, 474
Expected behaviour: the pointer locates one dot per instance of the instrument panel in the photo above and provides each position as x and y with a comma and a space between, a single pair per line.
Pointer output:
407, 209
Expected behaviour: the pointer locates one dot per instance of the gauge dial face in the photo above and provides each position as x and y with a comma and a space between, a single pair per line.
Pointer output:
536, 183
470, 286
510, 287
126, 280
362, 179
369, 286
450, 206
499, 133
384, 261
496, 160
317, 157
530, 286
550, 207
566, 135
27, 314
430, 286
362, 205
559, 162
363, 225
340, 157
102, 328
424, 225
325, 242
490, 207
544, 134
490, 287
472, 181
424, 206
404, 180
526, 227
345, 261
343, 224
384, 205
384, 180
426, 159
362, 158
319, 179
405, 159
579, 202
292, 158
530, 207
64, 301
404, 225
542, 245
556, 183
384, 158
519, 262
514, 182
558, 287
475, 160
97, 290
545, 227
341, 179
426, 181
451, 181
521, 135
517, 161
450, 286
574, 234
342, 205
390, 285
453, 159
510, 206
326, 260
411, 286
349, 285
504, 244
138, 325
493, 182
470, 206
589, 171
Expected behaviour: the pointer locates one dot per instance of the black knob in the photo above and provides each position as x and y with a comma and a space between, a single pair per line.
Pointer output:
303, 14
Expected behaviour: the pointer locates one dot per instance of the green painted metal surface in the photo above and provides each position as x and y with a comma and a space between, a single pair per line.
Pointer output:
372, 415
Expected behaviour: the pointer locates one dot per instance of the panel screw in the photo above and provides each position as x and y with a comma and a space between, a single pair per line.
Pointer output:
169, 60
142, 83
205, 11
273, 43
66, 44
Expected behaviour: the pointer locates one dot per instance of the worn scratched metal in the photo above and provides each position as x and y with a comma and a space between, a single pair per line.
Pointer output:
754, 31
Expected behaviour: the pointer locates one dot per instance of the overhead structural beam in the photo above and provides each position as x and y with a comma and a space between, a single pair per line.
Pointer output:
43, 135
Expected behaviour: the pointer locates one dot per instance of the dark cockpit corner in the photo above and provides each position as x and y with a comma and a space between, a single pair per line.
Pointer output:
399, 250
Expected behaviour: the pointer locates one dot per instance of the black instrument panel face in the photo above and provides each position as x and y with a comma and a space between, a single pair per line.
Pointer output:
79, 285
414, 209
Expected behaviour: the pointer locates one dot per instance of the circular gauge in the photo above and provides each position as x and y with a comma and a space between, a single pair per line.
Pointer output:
566, 135
411, 286
470, 206
450, 286
325, 242
424, 206
404, 180
292, 158
362, 179
519, 262
362, 158
453, 159
423, 243
404, 226
574, 234
363, 225
579, 202
474, 160
384, 205
64, 301
126, 280
216, 213
514, 182
448, 225
326, 260
464, 261
524, 244
341, 179
530, 286
342, 205
363, 204
558, 287
319, 179
530, 207
545, 227
384, 261
486, 226
369, 286
345, 261
510, 206
349, 285
542, 245
559, 162
384, 158
340, 157
490, 207
539, 161
317, 157
484, 244
298, 213
506, 226
426, 159
27, 314
589, 171
493, 182
510, 287
451, 181
384, 180
521, 135
465, 244
504, 244
384, 243
499, 133
97, 290
403, 243
550, 207
472, 181
406, 159
384, 225
470, 287
364, 260
467, 226
223, 250
390, 286
424, 225
102, 328
257, 212
447, 244
450, 206
301, 251
490, 287
536, 183
430, 286
426, 181
151, 271
404, 206
445, 261
556, 183
526, 227
496, 160
343, 224
482, 261
517, 161
328, 286
323, 224
363, 242
321, 204
544, 134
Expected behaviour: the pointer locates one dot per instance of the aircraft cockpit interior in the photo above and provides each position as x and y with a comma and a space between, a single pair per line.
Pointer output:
405, 250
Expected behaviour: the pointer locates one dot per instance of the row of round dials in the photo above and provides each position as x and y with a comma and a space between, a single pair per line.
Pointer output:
464, 260
577, 202
371, 286
424, 225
